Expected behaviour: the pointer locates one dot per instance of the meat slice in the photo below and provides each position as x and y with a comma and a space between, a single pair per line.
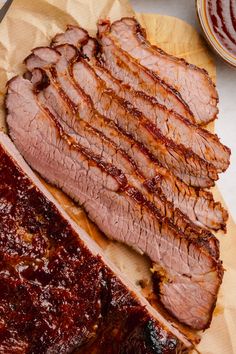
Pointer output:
171, 125
73, 35
139, 77
59, 293
193, 83
81, 126
184, 164
165, 94
191, 275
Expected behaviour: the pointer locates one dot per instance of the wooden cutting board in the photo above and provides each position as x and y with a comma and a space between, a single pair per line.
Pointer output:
180, 39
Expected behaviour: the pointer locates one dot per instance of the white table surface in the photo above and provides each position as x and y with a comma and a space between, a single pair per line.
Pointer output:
226, 85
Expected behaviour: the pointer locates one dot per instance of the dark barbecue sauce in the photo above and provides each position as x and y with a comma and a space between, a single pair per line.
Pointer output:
222, 19
55, 296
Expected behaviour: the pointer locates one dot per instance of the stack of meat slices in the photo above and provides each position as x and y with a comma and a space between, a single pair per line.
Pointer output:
104, 122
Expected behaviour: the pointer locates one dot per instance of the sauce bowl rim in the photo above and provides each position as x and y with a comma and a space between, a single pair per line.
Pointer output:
210, 36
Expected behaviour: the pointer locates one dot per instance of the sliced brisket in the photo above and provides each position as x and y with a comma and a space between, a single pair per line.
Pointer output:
193, 83
198, 205
185, 164
188, 166
171, 125
58, 293
127, 69
61, 99
191, 275
166, 95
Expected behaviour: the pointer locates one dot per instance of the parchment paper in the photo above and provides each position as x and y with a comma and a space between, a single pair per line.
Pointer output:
32, 23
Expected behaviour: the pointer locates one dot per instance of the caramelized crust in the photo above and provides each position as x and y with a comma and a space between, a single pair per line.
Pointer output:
55, 295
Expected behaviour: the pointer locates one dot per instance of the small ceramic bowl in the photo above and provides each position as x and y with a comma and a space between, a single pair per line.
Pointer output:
211, 37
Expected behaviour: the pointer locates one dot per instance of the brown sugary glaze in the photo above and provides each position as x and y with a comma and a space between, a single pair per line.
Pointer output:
54, 294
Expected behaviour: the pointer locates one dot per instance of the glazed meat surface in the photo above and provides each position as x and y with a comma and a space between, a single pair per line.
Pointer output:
57, 296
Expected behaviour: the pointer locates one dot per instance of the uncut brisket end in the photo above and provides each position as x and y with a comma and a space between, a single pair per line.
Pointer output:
56, 293
194, 84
